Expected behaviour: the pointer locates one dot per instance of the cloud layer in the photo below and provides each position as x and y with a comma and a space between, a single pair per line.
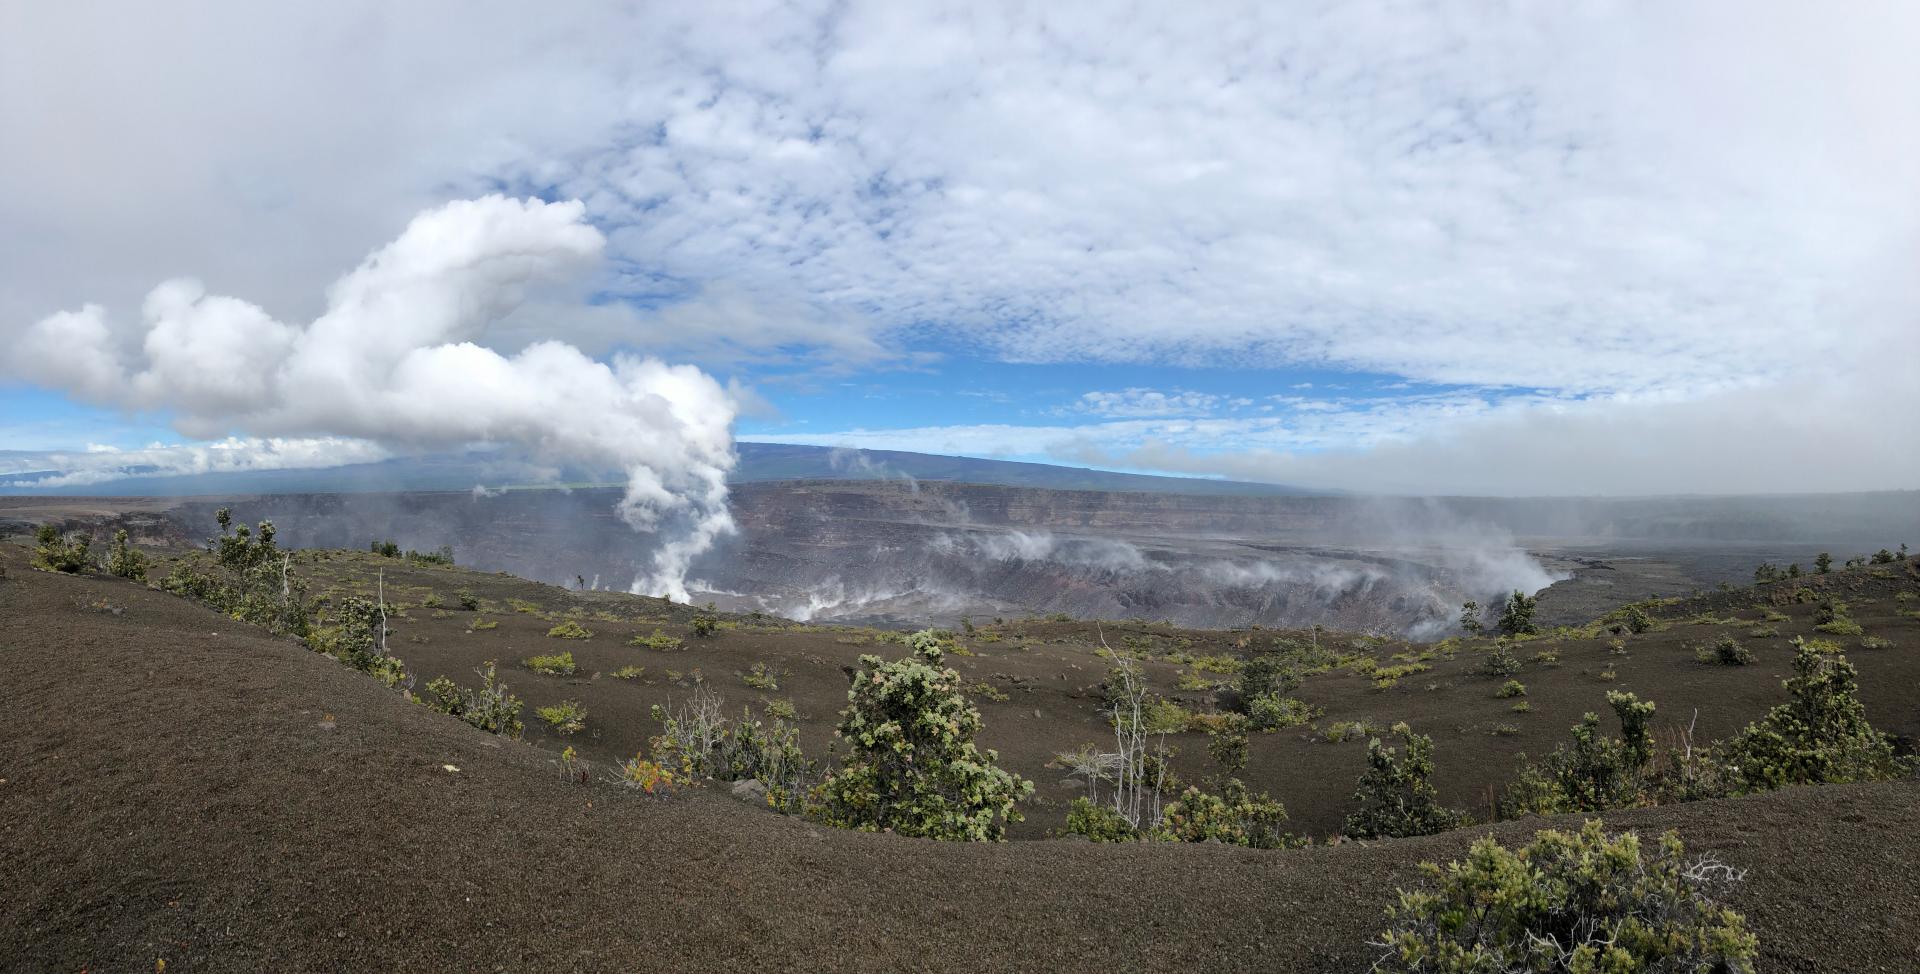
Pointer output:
391, 362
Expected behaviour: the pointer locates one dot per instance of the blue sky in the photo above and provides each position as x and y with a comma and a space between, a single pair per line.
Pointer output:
1420, 247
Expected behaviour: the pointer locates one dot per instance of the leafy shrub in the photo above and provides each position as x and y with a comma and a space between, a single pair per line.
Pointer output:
491, 708
629, 673
1842, 626
1500, 662
763, 677
1350, 730
698, 740
468, 601
1636, 619
482, 625
704, 625
570, 630
1272, 712
565, 717
1396, 797
659, 640
1522, 707
643, 775
1263, 675
1516, 618
54, 552
1470, 617
559, 664
1099, 823
1583, 902
1233, 817
1875, 642
1762, 632
250, 579
913, 767
1596, 773
1725, 651
1511, 689
1820, 735
124, 560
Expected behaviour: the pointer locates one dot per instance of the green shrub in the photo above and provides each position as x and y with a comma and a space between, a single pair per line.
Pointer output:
1820, 735
1271, 712
569, 630
1350, 730
1581, 902
1842, 626
659, 640
1596, 773
704, 625
385, 549
912, 765
468, 601
1725, 651
1516, 619
124, 560
629, 673
1264, 675
559, 664
1500, 662
250, 579
700, 742
1875, 642
1762, 632
565, 717
1397, 797
1511, 689
482, 625
1232, 817
1636, 619
763, 677
1099, 823
491, 708
1522, 707
54, 552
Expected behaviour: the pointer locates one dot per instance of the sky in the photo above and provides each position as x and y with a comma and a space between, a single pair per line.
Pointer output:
1412, 247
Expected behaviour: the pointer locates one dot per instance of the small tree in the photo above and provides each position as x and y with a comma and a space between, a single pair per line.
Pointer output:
913, 767
1397, 798
124, 560
1517, 618
1820, 735
1470, 616
1581, 902
1823, 563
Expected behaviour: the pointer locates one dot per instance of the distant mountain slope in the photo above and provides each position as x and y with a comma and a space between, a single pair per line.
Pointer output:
759, 462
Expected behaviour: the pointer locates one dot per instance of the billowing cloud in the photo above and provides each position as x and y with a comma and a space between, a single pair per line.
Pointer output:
392, 361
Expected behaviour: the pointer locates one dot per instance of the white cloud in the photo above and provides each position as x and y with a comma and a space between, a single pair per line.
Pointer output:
104, 464
1148, 402
391, 361
1705, 202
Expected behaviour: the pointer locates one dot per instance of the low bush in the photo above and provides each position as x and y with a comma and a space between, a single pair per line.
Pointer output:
1516, 618
658, 640
1396, 797
704, 625
1595, 773
1500, 662
763, 677
1820, 735
1100, 823
559, 664
1725, 651
55, 552
1271, 712
467, 600
629, 673
565, 717
491, 708
698, 741
1583, 902
1511, 689
569, 630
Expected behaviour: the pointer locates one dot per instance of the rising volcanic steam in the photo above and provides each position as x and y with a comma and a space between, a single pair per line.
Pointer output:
393, 362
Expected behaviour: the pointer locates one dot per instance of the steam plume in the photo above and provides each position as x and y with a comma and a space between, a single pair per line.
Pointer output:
392, 361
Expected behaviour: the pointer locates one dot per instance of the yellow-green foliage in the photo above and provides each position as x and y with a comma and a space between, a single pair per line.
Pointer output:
569, 630
484, 624
659, 640
1583, 902
565, 717
560, 664
629, 672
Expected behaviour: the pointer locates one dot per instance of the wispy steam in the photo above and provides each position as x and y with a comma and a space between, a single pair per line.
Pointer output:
393, 361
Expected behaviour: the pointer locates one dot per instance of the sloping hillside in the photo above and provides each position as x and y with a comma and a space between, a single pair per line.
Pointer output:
175, 787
